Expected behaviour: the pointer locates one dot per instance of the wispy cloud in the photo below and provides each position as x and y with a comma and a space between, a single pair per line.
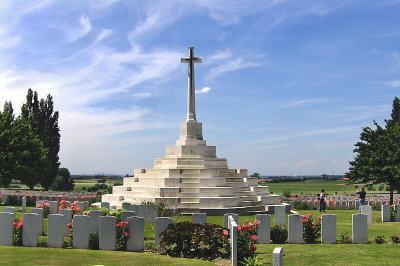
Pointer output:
231, 65
83, 29
304, 102
393, 83
203, 90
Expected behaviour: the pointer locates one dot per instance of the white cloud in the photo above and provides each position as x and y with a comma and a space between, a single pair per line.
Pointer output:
393, 83
306, 164
83, 28
229, 66
309, 101
142, 95
203, 90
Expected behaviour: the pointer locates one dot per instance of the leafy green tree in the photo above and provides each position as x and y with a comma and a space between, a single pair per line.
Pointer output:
378, 153
255, 175
22, 155
63, 181
44, 122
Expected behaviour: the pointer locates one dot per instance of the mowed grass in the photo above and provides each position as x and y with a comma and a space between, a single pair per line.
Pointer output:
52, 256
313, 187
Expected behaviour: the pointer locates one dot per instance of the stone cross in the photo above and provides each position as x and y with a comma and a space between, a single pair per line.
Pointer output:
191, 114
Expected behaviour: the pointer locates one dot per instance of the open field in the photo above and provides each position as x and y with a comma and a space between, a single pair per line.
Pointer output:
315, 186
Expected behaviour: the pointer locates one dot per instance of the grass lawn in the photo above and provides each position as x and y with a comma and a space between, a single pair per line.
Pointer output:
52, 256
314, 187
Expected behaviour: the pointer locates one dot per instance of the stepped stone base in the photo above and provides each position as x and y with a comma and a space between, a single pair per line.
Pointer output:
192, 179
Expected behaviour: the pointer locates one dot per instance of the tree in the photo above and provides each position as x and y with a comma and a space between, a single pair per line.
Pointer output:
63, 181
44, 122
22, 155
378, 153
255, 175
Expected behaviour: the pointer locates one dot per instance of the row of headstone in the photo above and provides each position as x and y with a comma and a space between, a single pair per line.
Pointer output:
143, 210
53, 205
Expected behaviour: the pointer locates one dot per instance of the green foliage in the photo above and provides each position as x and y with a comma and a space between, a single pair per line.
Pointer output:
97, 187
300, 205
122, 235
246, 240
43, 121
18, 228
344, 238
279, 234
63, 181
94, 241
192, 240
378, 153
149, 245
380, 239
107, 212
395, 239
252, 261
311, 229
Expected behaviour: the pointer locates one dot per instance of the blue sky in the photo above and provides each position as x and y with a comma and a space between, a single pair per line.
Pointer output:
289, 84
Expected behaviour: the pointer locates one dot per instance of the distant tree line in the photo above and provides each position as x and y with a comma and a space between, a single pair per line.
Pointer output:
30, 142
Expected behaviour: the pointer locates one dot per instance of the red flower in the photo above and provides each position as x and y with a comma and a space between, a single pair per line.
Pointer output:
225, 233
39, 206
254, 238
239, 228
70, 225
247, 221
127, 234
253, 247
78, 209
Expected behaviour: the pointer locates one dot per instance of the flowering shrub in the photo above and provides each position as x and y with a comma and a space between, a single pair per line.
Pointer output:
69, 241
380, 239
75, 210
46, 209
311, 229
122, 235
18, 228
246, 240
393, 213
279, 234
344, 239
192, 240
395, 239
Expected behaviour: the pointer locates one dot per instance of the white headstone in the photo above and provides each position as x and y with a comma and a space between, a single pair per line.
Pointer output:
161, 224
6, 228
328, 229
86, 205
55, 232
277, 257
126, 214
280, 215
397, 217
9, 209
81, 232
295, 230
105, 205
146, 211
23, 208
199, 218
385, 213
367, 210
39, 224
360, 229
126, 206
53, 207
234, 249
30, 231
107, 232
234, 215
136, 229
67, 219
94, 216
80, 205
264, 230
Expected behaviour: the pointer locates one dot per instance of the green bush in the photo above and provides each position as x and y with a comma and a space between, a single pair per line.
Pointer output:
379, 239
94, 241
279, 234
311, 229
97, 187
63, 181
192, 240
344, 239
300, 205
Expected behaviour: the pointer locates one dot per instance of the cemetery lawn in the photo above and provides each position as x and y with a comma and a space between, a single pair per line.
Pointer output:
314, 187
333, 254
53, 256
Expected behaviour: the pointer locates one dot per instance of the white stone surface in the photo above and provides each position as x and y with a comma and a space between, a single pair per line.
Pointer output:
328, 229
55, 233
367, 210
161, 223
81, 232
126, 214
94, 216
295, 230
280, 215
360, 229
30, 231
6, 228
264, 228
234, 248
277, 257
146, 211
107, 232
39, 224
86, 205
23, 203
397, 217
9, 209
199, 218
80, 205
226, 215
67, 219
53, 207
127, 206
385, 213
136, 229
